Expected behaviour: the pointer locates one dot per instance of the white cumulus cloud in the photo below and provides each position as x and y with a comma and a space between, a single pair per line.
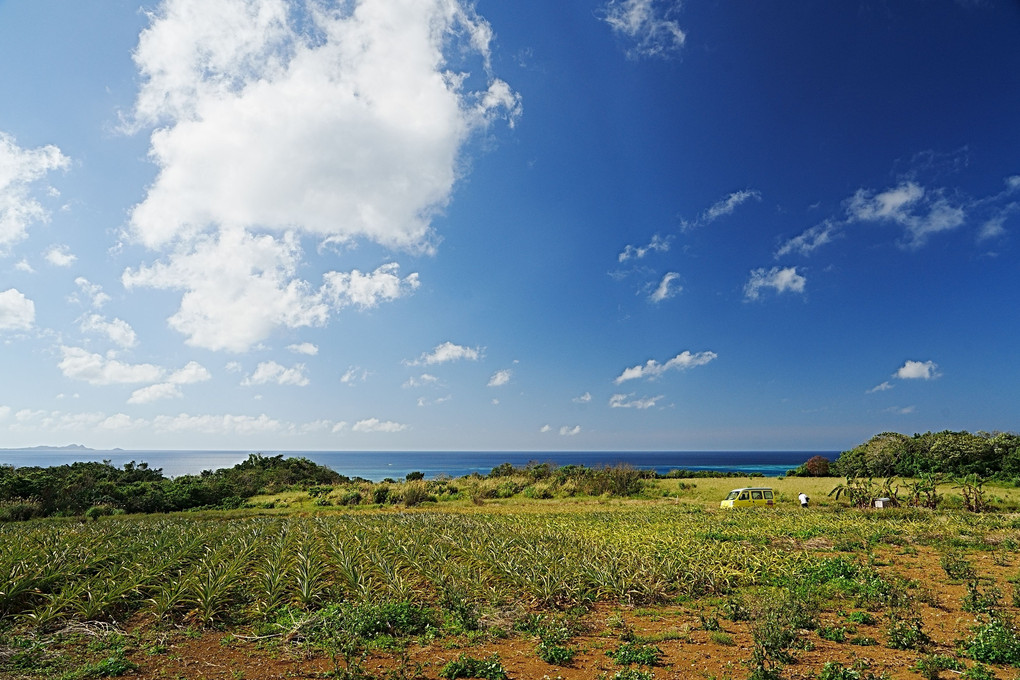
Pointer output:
118, 331
271, 372
17, 312
921, 212
447, 352
96, 369
60, 256
376, 425
568, 431
653, 369
500, 378
274, 121
781, 280
918, 370
20, 170
304, 348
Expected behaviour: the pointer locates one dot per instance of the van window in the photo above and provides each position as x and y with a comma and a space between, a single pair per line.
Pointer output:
743, 496
768, 495
756, 495
733, 495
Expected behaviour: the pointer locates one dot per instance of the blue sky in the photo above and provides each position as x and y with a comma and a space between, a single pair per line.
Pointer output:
429, 224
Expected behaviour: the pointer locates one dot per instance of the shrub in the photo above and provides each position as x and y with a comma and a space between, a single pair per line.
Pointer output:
931, 667
978, 602
906, 633
994, 642
978, 671
350, 498
957, 567
97, 511
416, 493
20, 510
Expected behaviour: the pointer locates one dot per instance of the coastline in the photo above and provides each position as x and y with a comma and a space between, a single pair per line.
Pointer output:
378, 465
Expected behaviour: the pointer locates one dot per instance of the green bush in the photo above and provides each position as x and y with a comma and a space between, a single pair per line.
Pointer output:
931, 667
555, 654
906, 633
994, 642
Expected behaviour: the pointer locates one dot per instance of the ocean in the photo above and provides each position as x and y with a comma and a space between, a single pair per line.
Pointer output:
379, 465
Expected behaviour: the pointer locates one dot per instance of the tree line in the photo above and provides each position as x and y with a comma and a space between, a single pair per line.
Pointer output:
101, 488
954, 454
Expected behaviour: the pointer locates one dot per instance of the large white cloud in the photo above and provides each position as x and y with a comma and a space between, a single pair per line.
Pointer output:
20, 169
652, 369
17, 312
337, 120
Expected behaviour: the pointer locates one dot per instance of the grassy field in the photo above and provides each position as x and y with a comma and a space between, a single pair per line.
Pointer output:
661, 586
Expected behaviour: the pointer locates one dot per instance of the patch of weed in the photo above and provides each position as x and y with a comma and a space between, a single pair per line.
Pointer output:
642, 654
465, 666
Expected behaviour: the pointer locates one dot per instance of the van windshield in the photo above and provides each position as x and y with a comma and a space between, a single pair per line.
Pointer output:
733, 495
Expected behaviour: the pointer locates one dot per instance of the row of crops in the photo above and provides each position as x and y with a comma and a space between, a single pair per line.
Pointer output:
230, 570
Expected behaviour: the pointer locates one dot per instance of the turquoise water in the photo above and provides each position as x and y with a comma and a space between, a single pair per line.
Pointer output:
378, 465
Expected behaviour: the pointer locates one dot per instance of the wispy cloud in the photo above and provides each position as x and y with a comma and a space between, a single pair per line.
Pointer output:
666, 289
583, 399
781, 280
721, 208
647, 24
652, 369
921, 212
568, 431
500, 378
657, 244
812, 239
625, 401
881, 387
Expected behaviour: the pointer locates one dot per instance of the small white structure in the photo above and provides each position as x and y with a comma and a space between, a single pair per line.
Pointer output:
883, 503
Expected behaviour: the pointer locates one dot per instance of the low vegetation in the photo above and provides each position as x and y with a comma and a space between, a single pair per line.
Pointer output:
534, 571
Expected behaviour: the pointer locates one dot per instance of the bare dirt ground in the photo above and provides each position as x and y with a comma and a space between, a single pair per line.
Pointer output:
689, 651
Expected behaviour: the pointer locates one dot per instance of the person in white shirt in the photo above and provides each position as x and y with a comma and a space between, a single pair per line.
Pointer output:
803, 500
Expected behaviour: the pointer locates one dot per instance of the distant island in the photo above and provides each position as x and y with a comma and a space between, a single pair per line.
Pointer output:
69, 447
